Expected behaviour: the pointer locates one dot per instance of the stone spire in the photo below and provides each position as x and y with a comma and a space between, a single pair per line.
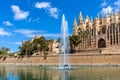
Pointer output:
84, 26
107, 15
75, 23
107, 18
87, 19
97, 23
75, 27
80, 18
116, 17
91, 19
90, 23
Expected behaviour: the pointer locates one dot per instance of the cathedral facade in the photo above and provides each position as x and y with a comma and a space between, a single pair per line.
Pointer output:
98, 33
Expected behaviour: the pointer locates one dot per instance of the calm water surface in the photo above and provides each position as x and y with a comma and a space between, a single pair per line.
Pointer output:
41, 73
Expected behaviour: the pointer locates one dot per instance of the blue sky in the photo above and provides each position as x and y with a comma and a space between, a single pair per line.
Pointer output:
22, 19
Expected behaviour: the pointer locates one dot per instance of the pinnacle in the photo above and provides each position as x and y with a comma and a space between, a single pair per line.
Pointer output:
75, 23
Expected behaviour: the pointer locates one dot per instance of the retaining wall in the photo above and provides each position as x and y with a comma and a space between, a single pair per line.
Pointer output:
75, 59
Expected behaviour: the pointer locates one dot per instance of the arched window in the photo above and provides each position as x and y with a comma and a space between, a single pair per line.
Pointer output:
103, 30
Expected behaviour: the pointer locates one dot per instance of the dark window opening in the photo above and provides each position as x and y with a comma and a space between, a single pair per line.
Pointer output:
101, 43
103, 30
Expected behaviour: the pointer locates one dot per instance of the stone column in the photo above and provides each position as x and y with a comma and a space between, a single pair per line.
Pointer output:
109, 35
118, 32
112, 36
82, 41
106, 37
107, 29
119, 35
115, 33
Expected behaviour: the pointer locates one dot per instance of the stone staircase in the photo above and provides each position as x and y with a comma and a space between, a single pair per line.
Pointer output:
91, 51
113, 49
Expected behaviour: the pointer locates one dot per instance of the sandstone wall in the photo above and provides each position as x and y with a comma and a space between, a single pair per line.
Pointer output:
74, 59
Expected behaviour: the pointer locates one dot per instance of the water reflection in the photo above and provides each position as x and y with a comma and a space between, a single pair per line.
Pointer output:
64, 75
40, 73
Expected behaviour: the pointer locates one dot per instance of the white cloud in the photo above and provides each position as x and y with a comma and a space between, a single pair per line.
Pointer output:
19, 14
4, 33
110, 7
7, 23
51, 35
42, 5
117, 5
46, 35
52, 11
27, 32
104, 4
31, 33
34, 20
106, 10
18, 43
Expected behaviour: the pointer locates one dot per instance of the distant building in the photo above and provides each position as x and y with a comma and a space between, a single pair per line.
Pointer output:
53, 45
98, 33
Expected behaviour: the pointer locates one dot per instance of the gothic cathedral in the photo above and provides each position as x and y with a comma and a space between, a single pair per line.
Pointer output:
99, 33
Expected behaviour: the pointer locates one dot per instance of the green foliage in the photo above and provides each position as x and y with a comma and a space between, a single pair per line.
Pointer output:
26, 48
11, 54
74, 41
38, 45
4, 51
58, 39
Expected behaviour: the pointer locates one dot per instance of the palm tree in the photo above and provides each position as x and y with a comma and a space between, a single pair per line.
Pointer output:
26, 48
39, 45
74, 41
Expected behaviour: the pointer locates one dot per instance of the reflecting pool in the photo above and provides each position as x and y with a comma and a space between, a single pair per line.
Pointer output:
43, 73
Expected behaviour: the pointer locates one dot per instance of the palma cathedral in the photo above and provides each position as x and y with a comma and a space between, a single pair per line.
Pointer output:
100, 33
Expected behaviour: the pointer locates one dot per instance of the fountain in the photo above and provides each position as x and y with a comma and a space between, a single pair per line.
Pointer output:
64, 48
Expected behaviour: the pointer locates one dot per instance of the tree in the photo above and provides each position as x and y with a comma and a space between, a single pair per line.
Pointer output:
74, 41
38, 45
26, 48
4, 50
58, 40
